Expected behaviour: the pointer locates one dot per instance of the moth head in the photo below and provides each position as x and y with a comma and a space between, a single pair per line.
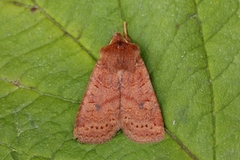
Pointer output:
118, 38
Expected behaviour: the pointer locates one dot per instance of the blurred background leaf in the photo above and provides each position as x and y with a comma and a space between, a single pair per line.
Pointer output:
49, 48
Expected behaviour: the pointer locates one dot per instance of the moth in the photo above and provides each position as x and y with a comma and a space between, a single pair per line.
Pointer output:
119, 95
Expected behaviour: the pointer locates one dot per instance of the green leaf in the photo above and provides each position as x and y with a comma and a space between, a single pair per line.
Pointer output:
49, 48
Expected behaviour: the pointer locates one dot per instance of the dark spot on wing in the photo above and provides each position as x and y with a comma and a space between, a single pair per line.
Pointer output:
98, 107
141, 105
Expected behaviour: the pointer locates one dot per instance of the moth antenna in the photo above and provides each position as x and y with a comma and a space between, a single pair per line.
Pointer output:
125, 31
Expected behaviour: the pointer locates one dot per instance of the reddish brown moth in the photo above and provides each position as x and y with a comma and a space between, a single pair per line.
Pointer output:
119, 96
